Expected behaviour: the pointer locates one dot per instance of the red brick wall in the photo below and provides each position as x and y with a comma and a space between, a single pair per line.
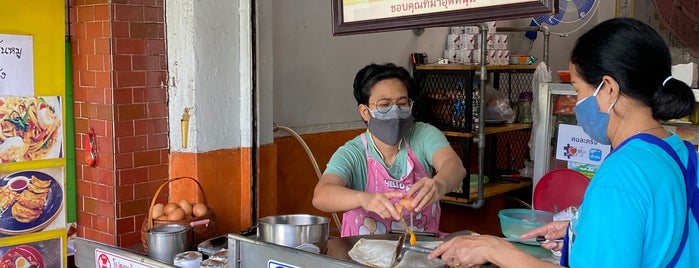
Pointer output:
120, 66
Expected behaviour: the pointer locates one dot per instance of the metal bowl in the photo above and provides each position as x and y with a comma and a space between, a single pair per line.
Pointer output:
293, 230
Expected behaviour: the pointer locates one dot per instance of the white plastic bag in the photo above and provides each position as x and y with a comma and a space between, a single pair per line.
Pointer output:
497, 107
542, 74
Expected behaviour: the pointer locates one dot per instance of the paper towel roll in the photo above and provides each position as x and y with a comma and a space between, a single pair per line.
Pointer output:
686, 73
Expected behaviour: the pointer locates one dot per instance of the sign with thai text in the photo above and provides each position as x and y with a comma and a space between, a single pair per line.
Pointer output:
358, 10
16, 65
573, 144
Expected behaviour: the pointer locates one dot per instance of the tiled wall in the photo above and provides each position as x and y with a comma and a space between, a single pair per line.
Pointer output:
119, 77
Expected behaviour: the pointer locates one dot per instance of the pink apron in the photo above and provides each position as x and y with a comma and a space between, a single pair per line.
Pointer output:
361, 222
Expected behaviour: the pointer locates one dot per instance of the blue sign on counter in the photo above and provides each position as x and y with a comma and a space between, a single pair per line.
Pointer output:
277, 264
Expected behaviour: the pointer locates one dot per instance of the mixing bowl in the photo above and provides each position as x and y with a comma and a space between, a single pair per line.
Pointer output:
293, 230
517, 221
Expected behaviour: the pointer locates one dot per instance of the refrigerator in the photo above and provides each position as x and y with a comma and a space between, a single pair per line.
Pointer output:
557, 141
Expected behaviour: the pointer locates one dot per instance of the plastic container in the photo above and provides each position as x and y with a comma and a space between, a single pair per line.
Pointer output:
564, 76
221, 255
525, 107
188, 259
516, 221
209, 263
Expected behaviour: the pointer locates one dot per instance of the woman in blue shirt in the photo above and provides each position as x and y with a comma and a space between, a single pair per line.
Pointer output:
640, 209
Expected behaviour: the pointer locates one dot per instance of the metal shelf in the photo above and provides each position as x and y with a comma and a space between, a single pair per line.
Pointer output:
467, 67
489, 130
489, 190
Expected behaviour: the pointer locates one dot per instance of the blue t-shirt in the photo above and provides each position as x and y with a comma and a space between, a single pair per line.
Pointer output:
349, 161
633, 213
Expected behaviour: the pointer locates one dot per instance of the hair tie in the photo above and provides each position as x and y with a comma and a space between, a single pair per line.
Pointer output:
667, 79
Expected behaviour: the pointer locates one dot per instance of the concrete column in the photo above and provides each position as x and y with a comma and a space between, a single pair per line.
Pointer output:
210, 74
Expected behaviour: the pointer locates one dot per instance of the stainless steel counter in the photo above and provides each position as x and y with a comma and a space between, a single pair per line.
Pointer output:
94, 254
250, 252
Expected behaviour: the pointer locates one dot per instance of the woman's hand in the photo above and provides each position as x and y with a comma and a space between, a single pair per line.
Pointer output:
428, 191
551, 231
470, 250
380, 203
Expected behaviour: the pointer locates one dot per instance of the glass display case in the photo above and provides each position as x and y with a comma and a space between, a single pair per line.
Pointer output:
555, 104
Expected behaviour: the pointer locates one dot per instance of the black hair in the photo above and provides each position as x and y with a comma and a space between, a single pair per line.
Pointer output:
371, 74
638, 59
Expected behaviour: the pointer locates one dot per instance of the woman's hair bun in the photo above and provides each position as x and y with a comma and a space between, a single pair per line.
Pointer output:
673, 100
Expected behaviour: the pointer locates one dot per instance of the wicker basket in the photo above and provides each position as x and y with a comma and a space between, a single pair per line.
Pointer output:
201, 232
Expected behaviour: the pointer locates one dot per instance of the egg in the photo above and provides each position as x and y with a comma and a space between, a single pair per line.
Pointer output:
199, 209
405, 203
170, 207
21, 262
158, 210
176, 215
162, 217
186, 206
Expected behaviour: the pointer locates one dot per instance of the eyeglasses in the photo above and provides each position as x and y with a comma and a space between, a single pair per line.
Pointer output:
384, 105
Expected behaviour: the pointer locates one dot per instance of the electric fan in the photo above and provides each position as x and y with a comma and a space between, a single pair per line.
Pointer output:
571, 12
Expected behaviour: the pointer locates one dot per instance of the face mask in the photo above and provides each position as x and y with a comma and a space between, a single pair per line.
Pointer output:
592, 121
391, 126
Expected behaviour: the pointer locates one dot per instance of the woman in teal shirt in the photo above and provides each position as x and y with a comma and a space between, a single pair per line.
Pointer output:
393, 160
641, 207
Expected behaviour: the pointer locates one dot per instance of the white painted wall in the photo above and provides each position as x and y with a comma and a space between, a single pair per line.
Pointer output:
305, 74
313, 71
265, 69
209, 62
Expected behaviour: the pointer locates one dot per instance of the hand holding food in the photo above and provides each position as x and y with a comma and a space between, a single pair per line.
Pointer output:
380, 203
425, 192
405, 203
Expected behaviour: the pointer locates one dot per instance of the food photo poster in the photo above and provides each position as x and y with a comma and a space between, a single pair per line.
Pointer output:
31, 128
39, 250
32, 201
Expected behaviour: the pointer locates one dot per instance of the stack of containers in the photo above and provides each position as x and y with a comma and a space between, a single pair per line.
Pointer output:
464, 46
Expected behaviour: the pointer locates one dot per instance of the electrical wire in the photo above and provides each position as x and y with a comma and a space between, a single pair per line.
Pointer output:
313, 161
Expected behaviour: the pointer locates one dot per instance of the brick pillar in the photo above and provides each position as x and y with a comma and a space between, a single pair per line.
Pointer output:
120, 66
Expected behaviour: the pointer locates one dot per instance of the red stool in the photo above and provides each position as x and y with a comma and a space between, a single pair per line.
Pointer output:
559, 189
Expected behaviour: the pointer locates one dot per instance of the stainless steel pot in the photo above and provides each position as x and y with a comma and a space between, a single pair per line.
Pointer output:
165, 241
293, 230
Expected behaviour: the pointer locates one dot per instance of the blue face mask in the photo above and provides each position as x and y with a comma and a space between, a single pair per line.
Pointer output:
592, 121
